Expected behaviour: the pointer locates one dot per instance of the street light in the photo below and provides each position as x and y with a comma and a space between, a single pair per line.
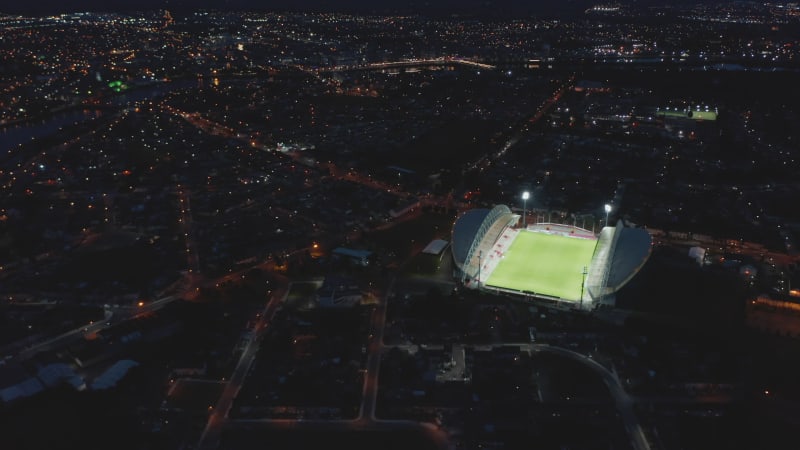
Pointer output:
608, 210
525, 196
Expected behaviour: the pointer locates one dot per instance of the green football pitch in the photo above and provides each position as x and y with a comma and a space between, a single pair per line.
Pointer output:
696, 114
545, 264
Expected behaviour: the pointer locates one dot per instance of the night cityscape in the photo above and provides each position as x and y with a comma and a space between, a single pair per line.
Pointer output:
432, 225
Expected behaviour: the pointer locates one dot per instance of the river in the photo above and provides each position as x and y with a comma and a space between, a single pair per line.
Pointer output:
12, 136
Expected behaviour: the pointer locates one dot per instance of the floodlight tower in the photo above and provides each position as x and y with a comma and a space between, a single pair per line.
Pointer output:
608, 210
480, 254
583, 283
525, 196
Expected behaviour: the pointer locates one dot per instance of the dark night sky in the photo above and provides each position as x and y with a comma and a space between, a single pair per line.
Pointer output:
49, 6
420, 6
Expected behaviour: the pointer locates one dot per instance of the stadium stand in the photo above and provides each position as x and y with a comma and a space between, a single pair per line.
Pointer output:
481, 238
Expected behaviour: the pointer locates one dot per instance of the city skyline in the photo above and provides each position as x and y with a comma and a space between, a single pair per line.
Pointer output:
473, 7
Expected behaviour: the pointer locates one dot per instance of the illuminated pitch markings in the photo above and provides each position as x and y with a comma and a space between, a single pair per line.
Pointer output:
544, 264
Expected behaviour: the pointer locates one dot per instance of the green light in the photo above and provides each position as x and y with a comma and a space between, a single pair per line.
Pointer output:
117, 86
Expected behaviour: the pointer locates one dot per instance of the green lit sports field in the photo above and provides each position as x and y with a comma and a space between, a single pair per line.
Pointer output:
547, 264
696, 115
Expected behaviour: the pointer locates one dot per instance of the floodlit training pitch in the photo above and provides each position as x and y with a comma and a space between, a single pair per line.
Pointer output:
683, 114
544, 264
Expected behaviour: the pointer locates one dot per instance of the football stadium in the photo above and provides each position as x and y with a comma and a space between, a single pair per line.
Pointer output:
549, 261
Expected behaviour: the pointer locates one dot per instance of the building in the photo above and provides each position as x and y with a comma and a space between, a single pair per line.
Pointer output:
337, 292
113, 375
551, 261
358, 257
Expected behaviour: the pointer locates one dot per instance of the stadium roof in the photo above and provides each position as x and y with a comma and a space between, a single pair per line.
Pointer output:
473, 232
435, 247
56, 373
464, 231
631, 252
26, 388
16, 382
344, 251
111, 377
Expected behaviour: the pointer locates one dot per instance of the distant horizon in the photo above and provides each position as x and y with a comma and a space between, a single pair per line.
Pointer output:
471, 7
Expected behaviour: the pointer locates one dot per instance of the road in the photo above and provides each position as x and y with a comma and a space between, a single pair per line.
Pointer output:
365, 420
524, 126
65, 338
211, 434
366, 413
76, 334
370, 391
185, 220
623, 402
406, 63
705, 400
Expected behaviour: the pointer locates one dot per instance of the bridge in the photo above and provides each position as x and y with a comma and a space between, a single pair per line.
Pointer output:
443, 61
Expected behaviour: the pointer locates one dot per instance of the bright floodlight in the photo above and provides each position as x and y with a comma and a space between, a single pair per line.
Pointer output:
608, 210
525, 196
